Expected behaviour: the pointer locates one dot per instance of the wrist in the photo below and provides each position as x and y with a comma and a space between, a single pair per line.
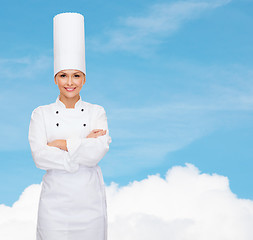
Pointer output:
63, 144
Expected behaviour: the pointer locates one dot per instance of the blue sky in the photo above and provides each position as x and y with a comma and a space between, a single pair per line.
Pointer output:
175, 78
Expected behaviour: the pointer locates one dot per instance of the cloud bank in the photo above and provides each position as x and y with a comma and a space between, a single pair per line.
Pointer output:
185, 204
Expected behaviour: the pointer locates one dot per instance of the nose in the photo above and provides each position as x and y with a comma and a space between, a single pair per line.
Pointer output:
69, 81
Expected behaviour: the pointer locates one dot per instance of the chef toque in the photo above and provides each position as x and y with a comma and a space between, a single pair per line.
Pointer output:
69, 42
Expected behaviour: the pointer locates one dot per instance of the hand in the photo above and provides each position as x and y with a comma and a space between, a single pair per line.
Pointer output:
96, 133
60, 143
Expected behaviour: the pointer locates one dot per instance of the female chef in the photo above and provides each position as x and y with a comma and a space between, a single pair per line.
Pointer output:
68, 138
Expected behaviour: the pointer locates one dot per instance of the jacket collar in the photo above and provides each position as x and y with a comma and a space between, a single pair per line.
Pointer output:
59, 103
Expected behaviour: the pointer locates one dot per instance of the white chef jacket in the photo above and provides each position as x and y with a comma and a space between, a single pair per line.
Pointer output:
72, 202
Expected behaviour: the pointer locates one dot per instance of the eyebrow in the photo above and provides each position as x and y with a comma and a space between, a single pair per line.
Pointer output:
67, 73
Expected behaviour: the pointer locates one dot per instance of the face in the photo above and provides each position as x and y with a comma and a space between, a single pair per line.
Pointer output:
70, 82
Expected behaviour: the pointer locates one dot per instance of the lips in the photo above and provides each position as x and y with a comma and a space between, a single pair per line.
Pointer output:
70, 89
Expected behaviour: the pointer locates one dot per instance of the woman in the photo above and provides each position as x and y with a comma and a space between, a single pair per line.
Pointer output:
68, 138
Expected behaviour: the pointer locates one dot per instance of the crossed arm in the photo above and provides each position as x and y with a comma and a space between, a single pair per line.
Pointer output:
68, 154
62, 143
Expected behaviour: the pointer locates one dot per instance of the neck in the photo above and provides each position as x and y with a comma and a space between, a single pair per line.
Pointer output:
69, 102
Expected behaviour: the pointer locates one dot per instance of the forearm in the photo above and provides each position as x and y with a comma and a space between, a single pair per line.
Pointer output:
50, 157
88, 151
59, 143
62, 143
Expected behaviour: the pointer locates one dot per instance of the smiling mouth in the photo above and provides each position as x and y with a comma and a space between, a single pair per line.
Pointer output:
70, 89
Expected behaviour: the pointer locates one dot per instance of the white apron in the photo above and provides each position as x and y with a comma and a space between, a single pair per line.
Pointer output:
72, 202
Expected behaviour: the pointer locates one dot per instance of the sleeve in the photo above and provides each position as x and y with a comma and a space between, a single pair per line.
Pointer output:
46, 157
89, 151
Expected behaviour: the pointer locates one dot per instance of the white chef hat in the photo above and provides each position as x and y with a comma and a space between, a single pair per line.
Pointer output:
69, 42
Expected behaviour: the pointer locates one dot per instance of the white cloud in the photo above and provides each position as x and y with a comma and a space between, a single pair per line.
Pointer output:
135, 33
185, 205
19, 220
24, 68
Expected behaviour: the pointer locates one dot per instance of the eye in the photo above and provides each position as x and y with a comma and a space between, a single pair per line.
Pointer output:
77, 75
63, 75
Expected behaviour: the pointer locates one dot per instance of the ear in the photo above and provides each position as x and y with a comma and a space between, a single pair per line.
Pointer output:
84, 79
55, 81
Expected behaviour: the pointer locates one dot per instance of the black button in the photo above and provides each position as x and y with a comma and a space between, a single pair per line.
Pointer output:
84, 124
57, 111
57, 124
82, 109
